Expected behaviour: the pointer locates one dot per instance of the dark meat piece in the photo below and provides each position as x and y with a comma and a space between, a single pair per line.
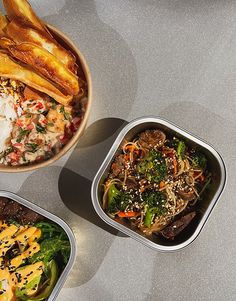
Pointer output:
28, 216
3, 203
118, 166
152, 139
187, 195
178, 226
12, 209
131, 183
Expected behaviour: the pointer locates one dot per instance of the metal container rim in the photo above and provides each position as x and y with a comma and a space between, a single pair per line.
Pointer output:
60, 282
107, 160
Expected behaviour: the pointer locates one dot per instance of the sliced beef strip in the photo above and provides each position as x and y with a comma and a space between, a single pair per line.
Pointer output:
3, 203
12, 209
118, 166
28, 216
178, 226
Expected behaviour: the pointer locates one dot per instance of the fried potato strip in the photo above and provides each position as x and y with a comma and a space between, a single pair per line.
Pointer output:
21, 32
13, 70
3, 24
47, 64
22, 9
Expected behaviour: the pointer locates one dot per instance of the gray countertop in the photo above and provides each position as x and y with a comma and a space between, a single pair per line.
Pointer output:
171, 58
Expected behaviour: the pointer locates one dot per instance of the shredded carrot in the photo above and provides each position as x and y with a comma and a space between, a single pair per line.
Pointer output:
127, 214
162, 184
175, 165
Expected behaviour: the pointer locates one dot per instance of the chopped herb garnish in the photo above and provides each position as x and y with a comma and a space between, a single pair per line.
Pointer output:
22, 134
54, 104
32, 147
40, 129
66, 114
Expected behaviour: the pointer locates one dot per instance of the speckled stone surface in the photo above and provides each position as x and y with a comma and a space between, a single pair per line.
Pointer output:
171, 58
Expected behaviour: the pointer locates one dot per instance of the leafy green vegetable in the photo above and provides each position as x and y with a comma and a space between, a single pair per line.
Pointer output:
199, 160
66, 114
155, 203
54, 242
49, 248
40, 128
153, 166
32, 147
117, 200
181, 148
22, 134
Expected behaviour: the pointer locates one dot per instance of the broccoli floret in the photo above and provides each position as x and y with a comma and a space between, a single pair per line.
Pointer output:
117, 200
155, 202
199, 160
181, 148
153, 167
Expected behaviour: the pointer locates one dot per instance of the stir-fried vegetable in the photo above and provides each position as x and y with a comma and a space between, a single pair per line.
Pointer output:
155, 202
153, 166
54, 243
199, 160
117, 200
154, 181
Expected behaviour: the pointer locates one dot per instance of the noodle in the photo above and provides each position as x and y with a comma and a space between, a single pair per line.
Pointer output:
156, 182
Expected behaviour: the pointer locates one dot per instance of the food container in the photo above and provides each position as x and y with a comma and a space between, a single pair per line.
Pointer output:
210, 196
59, 222
68, 44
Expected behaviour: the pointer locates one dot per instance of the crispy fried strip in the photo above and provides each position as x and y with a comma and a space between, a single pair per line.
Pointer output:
21, 32
10, 69
6, 42
23, 10
3, 24
47, 64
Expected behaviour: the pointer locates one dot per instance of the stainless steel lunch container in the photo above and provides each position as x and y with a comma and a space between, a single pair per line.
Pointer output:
62, 224
210, 197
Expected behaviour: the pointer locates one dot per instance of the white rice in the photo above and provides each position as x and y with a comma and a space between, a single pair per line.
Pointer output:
7, 117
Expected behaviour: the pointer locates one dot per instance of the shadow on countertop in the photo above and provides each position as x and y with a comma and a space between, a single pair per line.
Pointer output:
74, 188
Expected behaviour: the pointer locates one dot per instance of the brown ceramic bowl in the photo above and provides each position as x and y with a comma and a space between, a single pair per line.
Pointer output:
68, 44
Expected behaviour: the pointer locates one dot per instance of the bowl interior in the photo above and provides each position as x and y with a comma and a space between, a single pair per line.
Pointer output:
84, 74
208, 198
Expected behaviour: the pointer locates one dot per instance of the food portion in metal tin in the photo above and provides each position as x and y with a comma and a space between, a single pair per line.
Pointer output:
155, 183
33, 253
43, 91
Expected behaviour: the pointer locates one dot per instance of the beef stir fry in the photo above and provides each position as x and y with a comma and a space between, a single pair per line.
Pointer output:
154, 184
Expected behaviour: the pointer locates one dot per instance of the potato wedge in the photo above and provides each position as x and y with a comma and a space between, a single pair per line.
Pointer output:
3, 24
23, 10
10, 69
6, 42
47, 64
21, 32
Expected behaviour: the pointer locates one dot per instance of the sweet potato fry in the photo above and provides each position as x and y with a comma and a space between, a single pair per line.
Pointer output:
3, 24
22, 9
5, 42
10, 69
47, 64
21, 32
